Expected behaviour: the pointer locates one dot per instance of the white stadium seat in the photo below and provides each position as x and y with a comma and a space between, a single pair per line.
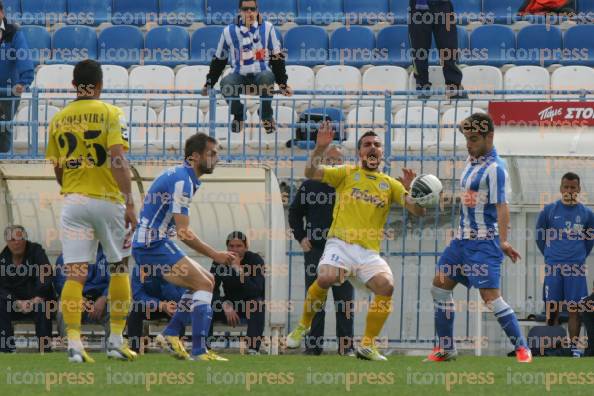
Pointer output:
384, 78
572, 78
337, 79
23, 133
361, 116
283, 115
453, 116
55, 77
172, 133
527, 78
153, 77
482, 78
301, 78
140, 136
226, 138
192, 78
115, 77
415, 137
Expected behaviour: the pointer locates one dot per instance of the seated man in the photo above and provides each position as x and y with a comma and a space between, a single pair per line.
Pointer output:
26, 290
94, 292
152, 298
243, 287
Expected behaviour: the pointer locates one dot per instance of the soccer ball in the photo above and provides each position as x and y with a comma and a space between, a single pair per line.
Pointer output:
425, 190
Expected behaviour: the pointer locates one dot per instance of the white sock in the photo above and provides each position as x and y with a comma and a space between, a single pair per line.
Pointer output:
201, 297
76, 345
116, 340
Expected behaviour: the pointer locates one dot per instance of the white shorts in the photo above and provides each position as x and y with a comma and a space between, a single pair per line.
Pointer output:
358, 262
86, 222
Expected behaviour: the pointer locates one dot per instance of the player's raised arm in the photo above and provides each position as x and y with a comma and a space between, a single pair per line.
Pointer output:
503, 222
313, 170
120, 169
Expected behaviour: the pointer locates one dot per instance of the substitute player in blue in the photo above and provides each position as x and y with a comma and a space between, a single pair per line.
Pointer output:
165, 214
564, 235
475, 256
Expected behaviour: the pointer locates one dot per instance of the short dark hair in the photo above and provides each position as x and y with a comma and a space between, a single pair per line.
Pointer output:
236, 235
197, 144
571, 176
243, 1
1, 6
88, 72
477, 123
11, 230
366, 134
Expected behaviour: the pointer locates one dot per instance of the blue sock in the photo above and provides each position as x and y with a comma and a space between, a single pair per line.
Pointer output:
508, 321
444, 323
201, 318
181, 318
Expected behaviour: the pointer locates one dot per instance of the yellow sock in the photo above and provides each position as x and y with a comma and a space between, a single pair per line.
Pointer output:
379, 310
314, 301
119, 302
71, 303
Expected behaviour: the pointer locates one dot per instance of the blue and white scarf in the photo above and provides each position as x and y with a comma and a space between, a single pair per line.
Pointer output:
252, 44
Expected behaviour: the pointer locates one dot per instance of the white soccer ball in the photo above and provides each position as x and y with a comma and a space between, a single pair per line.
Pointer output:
425, 190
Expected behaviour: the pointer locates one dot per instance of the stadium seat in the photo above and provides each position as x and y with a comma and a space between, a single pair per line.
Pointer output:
382, 78
71, 44
572, 78
167, 45
23, 138
142, 132
306, 45
204, 44
359, 121
39, 42
55, 77
366, 12
12, 10
278, 11
172, 134
153, 78
412, 138
276, 141
487, 78
316, 12
492, 45
502, 11
585, 6
394, 40
134, 12
353, 46
221, 12
181, 12
226, 139
120, 45
115, 77
449, 138
89, 12
578, 42
314, 114
435, 78
399, 10
192, 78
337, 79
526, 78
301, 78
539, 45
468, 10
42, 12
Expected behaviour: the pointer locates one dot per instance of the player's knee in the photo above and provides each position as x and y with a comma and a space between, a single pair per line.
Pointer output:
118, 268
442, 295
326, 280
489, 295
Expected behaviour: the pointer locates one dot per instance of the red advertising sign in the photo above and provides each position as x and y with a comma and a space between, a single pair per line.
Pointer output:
554, 114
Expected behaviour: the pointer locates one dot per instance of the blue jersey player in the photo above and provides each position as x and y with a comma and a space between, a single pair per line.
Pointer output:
564, 232
166, 214
475, 255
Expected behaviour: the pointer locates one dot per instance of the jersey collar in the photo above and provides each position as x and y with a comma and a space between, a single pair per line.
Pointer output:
480, 160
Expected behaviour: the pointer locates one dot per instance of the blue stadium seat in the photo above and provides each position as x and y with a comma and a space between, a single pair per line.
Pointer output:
399, 8
71, 44
468, 10
493, 45
39, 42
89, 12
181, 12
539, 45
578, 42
502, 11
366, 12
204, 44
134, 12
395, 40
221, 12
463, 45
42, 12
354, 46
167, 45
278, 11
306, 45
12, 10
120, 45
316, 12
586, 6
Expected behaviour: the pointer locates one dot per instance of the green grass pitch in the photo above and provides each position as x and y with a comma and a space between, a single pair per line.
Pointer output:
32, 374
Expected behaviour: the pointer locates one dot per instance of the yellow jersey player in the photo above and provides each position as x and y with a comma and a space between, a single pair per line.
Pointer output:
87, 144
363, 198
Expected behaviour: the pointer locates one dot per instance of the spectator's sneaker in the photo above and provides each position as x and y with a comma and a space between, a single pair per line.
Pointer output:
236, 125
440, 355
269, 126
172, 345
123, 352
370, 353
456, 93
523, 355
79, 356
216, 357
294, 338
576, 353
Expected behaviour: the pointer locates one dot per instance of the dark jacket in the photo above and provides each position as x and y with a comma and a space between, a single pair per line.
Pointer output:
16, 66
314, 202
33, 278
97, 283
236, 286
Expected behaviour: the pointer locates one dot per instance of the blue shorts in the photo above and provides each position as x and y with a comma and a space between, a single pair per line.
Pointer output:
474, 263
565, 282
158, 258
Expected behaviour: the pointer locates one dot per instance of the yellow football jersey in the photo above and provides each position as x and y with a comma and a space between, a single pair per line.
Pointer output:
80, 137
363, 201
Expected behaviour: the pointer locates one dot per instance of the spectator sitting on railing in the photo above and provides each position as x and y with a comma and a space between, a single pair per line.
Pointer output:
16, 73
258, 43
243, 286
94, 292
26, 289
152, 298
